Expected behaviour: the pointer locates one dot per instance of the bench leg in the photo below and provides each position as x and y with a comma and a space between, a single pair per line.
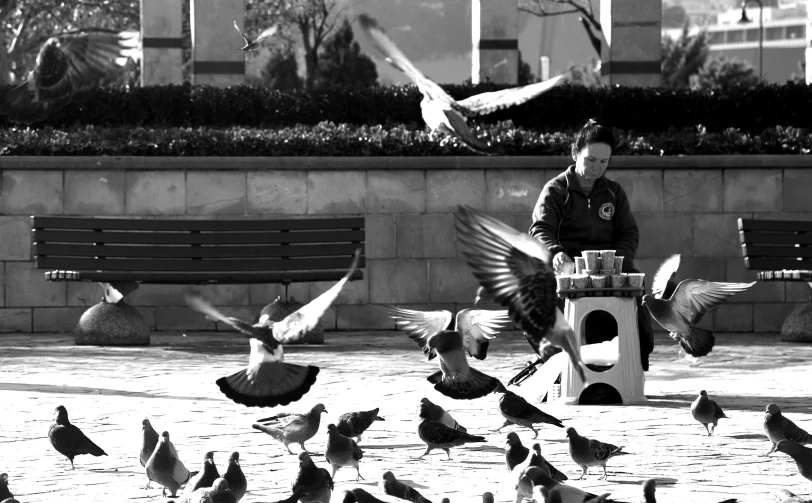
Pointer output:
115, 291
797, 325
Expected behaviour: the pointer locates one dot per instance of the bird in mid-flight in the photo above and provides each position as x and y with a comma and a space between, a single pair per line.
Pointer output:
253, 45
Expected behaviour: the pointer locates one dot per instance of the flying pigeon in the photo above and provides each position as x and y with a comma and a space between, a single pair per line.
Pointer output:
253, 45
516, 270
802, 456
4, 491
515, 452
706, 411
391, 486
205, 477
342, 451
316, 482
160, 466
353, 424
235, 477
691, 300
219, 492
149, 440
431, 412
588, 452
298, 430
777, 427
474, 328
437, 435
440, 111
67, 65
268, 381
69, 440
515, 409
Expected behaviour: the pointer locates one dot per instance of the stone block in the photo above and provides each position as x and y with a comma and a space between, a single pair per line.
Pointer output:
155, 193
762, 291
380, 236
172, 319
769, 317
107, 324
409, 241
447, 189
733, 318
215, 61
2, 284
753, 190
664, 235
506, 218
161, 19
513, 190
523, 221
717, 234
94, 192
264, 294
15, 320
797, 292
784, 215
797, 326
85, 293
692, 191
396, 191
215, 193
27, 287
398, 281
354, 292
796, 185
451, 280
644, 187
57, 319
439, 235
277, 192
336, 192
32, 192
15, 238
368, 317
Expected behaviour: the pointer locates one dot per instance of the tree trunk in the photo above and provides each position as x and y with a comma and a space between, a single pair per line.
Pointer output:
311, 55
6, 75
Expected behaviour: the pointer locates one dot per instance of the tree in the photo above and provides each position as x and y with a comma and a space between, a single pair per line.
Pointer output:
525, 72
674, 16
282, 72
723, 72
343, 63
682, 58
587, 17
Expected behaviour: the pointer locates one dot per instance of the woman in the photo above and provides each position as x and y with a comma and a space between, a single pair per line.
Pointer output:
581, 209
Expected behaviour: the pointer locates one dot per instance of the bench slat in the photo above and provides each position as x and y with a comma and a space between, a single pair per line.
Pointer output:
766, 251
775, 225
169, 265
776, 263
198, 278
157, 252
785, 275
761, 237
174, 238
146, 224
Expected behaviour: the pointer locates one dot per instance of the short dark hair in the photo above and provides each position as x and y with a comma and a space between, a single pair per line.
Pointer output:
592, 132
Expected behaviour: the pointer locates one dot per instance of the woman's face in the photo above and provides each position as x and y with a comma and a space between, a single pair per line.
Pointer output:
592, 161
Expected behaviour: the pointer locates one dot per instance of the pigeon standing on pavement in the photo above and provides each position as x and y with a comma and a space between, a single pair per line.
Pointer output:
295, 496
692, 299
534, 476
474, 328
219, 492
802, 456
777, 427
316, 483
515, 452
206, 476
391, 486
487, 497
149, 439
69, 440
649, 487
515, 409
342, 451
253, 45
588, 452
68, 65
5, 493
353, 424
437, 435
160, 466
235, 477
541, 462
706, 411
300, 429
431, 412
268, 381
516, 270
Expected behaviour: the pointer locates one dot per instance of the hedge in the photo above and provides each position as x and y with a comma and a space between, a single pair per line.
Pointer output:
641, 109
328, 139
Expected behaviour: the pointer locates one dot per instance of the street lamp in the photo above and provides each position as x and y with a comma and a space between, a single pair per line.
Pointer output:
746, 19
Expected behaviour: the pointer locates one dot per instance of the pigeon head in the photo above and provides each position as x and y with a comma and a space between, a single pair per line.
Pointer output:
570, 431
537, 448
318, 408
349, 497
789, 447
513, 439
648, 489
773, 410
61, 414
331, 428
428, 410
304, 458
145, 423
165, 435
487, 497
234, 458
209, 457
220, 485
388, 476
703, 393
4, 478
445, 500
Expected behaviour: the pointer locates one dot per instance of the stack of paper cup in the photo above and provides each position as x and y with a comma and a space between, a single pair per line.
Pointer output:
592, 259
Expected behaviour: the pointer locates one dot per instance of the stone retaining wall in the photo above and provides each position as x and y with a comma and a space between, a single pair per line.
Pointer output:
682, 205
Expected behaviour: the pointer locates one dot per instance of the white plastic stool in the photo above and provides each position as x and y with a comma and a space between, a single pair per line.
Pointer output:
626, 376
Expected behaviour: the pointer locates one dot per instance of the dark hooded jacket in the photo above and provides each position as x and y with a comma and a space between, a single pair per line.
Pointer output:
569, 219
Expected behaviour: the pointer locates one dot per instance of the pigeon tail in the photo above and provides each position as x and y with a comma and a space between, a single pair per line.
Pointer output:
269, 384
94, 449
476, 386
698, 342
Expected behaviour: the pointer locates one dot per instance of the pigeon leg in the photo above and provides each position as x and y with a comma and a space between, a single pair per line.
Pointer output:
713, 429
305, 449
359, 440
706, 428
428, 450
507, 423
448, 452
71, 465
534, 431
583, 472
148, 486
771, 450
604, 473
359, 475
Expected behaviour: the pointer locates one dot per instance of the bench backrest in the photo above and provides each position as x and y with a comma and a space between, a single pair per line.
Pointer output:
776, 244
189, 246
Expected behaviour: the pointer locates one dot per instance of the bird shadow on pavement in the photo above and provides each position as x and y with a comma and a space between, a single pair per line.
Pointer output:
393, 446
83, 390
661, 481
487, 448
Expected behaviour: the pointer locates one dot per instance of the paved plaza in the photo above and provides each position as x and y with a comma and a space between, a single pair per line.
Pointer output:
108, 391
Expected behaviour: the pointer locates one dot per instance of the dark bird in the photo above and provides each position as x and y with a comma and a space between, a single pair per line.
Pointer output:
316, 483
69, 440
437, 435
431, 412
342, 451
160, 466
474, 328
802, 456
206, 476
4, 491
268, 381
235, 477
515, 452
777, 427
487, 497
516, 271
391, 486
67, 65
219, 492
515, 409
440, 111
295, 496
299, 429
253, 45
692, 299
534, 476
149, 439
649, 488
706, 411
353, 424
541, 462
358, 495
588, 452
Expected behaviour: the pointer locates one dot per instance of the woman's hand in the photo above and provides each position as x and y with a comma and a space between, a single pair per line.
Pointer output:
558, 261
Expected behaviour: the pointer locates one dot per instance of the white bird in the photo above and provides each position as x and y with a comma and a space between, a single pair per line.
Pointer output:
253, 45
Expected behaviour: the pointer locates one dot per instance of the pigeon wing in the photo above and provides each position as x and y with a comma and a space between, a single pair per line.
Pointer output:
420, 325
666, 272
693, 298
199, 304
268, 33
478, 327
601, 450
486, 103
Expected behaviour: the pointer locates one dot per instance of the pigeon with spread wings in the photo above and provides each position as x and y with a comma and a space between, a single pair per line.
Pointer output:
440, 111
67, 65
268, 381
691, 300
474, 328
253, 45
516, 271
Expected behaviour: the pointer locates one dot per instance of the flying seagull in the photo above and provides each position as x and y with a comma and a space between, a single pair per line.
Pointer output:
253, 45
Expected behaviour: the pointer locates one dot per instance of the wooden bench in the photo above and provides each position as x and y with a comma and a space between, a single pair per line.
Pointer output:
121, 253
781, 250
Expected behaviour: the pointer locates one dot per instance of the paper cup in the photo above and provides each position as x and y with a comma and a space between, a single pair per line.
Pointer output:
618, 280
592, 259
590, 272
580, 265
607, 272
598, 281
580, 281
564, 281
608, 259
568, 268
636, 279
618, 264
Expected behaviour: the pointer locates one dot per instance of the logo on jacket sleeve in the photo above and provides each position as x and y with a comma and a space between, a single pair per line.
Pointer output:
606, 211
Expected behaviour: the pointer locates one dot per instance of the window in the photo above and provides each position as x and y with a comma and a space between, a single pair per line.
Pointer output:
774, 33
735, 36
752, 35
796, 31
716, 37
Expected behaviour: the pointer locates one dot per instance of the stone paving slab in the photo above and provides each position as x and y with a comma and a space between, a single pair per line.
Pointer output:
108, 391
